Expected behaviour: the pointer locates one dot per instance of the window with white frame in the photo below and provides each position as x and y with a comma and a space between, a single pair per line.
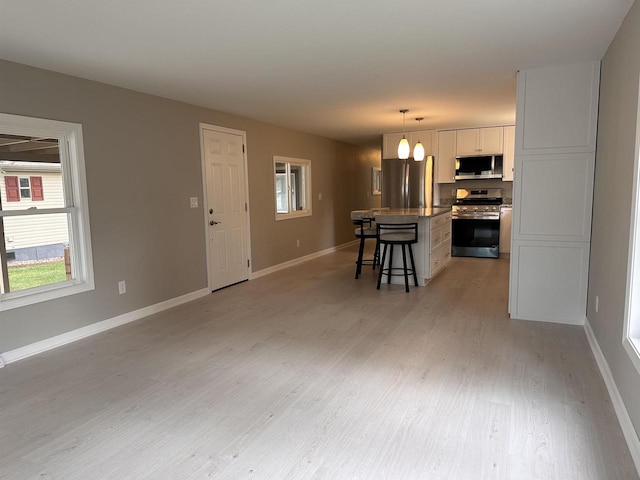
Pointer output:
631, 339
45, 243
25, 187
292, 180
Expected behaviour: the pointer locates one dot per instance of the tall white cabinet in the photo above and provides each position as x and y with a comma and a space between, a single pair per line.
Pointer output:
556, 119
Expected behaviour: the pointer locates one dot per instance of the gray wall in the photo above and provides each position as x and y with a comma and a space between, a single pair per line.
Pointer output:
612, 204
143, 163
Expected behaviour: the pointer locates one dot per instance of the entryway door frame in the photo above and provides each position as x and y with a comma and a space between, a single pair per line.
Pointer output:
205, 194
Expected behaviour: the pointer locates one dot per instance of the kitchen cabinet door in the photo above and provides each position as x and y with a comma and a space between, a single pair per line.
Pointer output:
427, 137
446, 157
508, 153
467, 142
558, 109
479, 141
390, 144
491, 140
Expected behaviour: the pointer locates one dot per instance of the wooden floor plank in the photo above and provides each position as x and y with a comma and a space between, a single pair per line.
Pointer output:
309, 374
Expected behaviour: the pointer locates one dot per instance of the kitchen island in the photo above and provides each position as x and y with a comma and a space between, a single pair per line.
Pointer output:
433, 250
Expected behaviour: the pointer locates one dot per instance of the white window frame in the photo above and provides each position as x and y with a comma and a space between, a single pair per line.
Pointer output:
20, 188
71, 149
631, 331
306, 165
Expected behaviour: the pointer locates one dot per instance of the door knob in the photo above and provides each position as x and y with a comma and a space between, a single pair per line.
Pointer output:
212, 222
211, 210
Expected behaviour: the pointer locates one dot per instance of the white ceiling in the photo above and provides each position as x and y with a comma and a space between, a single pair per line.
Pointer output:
337, 68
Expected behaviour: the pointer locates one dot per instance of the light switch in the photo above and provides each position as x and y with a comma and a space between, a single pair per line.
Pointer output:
194, 202
320, 196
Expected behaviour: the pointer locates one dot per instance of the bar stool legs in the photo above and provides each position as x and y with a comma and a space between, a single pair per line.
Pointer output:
389, 271
359, 261
399, 230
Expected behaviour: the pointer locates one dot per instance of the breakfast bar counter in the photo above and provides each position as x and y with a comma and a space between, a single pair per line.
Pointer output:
421, 212
433, 251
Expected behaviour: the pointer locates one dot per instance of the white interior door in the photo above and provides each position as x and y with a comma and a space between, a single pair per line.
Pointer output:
227, 230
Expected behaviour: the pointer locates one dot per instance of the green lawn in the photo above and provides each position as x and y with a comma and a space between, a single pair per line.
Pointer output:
36, 275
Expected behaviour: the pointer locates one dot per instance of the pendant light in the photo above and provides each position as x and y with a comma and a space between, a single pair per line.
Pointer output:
418, 150
403, 147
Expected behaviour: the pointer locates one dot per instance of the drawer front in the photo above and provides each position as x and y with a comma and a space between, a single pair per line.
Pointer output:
440, 236
440, 259
436, 238
440, 220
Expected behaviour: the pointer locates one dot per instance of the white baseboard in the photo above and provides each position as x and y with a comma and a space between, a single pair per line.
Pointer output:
629, 432
98, 327
565, 321
297, 261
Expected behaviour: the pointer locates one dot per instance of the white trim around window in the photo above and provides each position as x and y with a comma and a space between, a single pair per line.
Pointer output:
292, 187
71, 152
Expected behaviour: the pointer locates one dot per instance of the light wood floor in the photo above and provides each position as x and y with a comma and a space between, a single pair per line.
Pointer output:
310, 374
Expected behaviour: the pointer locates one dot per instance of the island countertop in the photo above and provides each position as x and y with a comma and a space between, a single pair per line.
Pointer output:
432, 251
421, 212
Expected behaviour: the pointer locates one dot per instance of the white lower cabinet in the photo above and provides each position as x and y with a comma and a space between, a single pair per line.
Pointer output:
432, 252
439, 247
549, 281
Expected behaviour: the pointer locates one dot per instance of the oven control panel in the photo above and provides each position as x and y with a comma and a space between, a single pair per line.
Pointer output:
486, 212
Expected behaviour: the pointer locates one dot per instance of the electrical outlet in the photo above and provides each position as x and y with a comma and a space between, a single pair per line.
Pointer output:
193, 201
122, 287
597, 303
297, 243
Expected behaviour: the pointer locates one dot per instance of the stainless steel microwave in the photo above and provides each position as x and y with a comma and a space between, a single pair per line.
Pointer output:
478, 167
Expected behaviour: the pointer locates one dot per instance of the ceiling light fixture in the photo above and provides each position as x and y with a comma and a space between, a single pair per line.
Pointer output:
403, 147
418, 150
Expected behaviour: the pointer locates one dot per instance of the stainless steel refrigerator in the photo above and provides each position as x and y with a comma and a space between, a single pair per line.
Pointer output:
407, 183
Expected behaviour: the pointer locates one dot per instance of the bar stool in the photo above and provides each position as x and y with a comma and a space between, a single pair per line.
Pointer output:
365, 229
397, 230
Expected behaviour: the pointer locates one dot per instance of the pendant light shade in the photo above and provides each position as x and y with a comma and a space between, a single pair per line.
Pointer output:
418, 150
403, 147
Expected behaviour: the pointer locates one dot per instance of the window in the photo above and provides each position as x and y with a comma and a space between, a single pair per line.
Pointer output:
25, 189
292, 187
20, 188
45, 245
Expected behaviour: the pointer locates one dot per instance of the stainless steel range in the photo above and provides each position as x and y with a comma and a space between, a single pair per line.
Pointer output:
475, 226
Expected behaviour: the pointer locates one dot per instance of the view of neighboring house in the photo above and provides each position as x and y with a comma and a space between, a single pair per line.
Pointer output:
32, 185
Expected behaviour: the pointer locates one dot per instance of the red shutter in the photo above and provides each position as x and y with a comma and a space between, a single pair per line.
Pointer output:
36, 188
13, 190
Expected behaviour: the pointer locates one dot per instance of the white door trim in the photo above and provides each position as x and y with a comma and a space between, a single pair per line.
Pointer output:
201, 128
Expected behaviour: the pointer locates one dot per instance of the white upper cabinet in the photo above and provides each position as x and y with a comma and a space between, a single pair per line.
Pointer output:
557, 109
508, 153
390, 141
446, 157
479, 141
390, 144
429, 140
